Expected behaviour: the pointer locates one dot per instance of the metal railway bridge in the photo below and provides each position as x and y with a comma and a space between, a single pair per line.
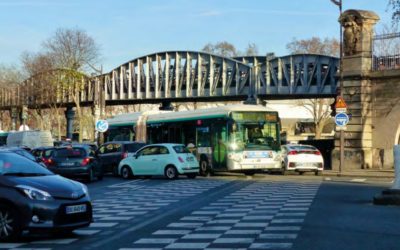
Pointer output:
181, 76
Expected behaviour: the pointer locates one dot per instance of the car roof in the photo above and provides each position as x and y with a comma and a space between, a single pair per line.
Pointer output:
72, 146
125, 142
43, 148
12, 149
299, 145
166, 144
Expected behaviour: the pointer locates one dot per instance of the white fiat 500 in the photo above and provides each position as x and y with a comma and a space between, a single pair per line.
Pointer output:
301, 158
165, 159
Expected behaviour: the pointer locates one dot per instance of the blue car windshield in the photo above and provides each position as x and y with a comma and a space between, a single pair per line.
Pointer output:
15, 164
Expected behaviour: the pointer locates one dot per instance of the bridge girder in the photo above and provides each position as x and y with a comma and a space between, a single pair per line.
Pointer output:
185, 76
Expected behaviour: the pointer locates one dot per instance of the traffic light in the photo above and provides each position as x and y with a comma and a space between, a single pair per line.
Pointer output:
333, 109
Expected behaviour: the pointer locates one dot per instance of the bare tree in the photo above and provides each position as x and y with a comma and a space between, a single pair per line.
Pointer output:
76, 52
395, 6
314, 45
10, 76
36, 63
221, 48
251, 50
73, 49
320, 111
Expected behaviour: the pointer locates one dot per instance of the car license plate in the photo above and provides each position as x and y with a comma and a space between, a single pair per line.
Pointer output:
76, 209
67, 164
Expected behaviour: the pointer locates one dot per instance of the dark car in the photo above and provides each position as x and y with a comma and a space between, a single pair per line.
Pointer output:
25, 153
75, 161
111, 153
33, 198
42, 153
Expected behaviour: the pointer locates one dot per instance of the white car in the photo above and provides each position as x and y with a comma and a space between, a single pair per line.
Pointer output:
301, 158
165, 159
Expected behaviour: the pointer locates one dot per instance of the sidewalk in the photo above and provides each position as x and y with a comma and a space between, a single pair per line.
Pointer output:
362, 173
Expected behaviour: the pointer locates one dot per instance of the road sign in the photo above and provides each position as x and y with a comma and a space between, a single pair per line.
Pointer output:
102, 126
340, 103
341, 128
341, 119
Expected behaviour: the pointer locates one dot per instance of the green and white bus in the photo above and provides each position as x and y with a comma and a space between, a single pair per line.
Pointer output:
237, 138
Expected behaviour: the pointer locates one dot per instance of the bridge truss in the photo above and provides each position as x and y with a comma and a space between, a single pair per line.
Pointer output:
183, 76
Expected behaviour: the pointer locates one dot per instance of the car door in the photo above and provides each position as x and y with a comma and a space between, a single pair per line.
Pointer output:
116, 155
144, 161
103, 157
161, 159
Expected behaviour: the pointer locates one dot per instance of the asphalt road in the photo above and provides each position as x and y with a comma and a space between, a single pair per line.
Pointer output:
231, 212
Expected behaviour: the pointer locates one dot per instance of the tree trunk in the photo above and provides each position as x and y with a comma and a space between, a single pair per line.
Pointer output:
58, 123
318, 130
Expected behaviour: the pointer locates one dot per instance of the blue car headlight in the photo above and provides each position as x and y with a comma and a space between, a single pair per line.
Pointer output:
85, 189
34, 193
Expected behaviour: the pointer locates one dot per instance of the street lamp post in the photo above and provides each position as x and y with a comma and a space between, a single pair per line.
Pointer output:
339, 4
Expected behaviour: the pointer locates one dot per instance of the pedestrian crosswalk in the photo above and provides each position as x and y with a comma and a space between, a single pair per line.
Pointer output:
126, 201
260, 216
257, 215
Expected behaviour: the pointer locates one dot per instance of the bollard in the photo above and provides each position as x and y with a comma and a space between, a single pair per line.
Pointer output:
396, 154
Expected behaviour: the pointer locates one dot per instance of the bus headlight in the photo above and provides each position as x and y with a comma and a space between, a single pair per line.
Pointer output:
233, 146
235, 157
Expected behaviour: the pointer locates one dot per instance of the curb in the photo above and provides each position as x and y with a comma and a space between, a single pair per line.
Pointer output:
388, 197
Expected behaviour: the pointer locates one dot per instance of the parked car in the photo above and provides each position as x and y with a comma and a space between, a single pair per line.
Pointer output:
111, 153
43, 153
74, 161
25, 153
301, 158
166, 159
33, 198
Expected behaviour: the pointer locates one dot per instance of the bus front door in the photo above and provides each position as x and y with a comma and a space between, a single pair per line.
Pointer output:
219, 141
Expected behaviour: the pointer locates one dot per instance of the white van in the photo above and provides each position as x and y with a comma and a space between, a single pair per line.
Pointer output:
31, 139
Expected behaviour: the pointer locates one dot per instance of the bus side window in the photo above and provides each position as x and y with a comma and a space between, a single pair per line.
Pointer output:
203, 137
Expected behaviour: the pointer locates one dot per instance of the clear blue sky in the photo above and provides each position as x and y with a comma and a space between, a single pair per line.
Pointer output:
126, 29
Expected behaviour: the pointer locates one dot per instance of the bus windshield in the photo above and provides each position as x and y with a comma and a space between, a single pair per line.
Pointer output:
255, 131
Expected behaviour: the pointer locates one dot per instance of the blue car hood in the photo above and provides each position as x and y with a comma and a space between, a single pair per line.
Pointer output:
55, 185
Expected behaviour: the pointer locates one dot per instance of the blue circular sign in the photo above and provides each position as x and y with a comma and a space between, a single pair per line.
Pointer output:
102, 126
341, 119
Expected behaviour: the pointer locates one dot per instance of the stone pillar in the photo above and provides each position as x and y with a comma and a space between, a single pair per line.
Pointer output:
14, 118
70, 115
357, 89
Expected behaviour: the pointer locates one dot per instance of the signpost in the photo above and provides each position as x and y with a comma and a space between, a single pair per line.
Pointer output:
341, 120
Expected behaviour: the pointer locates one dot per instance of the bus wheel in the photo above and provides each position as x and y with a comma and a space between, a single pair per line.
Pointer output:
204, 171
249, 173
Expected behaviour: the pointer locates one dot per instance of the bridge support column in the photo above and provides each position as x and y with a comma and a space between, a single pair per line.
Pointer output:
357, 90
14, 118
70, 116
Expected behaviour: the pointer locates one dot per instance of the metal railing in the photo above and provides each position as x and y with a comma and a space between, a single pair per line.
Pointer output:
386, 52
